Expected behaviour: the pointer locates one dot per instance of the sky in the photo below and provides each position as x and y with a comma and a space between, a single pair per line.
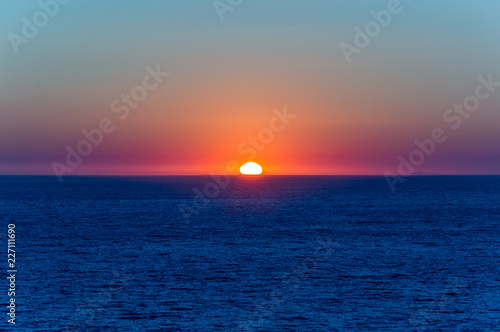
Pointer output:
227, 74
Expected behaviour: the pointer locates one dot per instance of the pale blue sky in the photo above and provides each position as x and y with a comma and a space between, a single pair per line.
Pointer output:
283, 51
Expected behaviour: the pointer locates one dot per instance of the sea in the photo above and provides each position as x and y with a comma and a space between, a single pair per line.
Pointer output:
265, 253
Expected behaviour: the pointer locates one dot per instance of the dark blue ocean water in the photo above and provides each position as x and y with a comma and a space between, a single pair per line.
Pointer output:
264, 254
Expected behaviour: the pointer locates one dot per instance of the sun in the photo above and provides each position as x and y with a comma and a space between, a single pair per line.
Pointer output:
251, 168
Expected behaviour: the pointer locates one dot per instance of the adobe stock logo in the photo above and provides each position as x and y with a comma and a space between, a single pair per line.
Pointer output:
30, 28
221, 7
363, 37
248, 148
122, 108
454, 117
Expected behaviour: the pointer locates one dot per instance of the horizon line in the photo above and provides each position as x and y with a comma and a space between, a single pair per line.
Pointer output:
241, 175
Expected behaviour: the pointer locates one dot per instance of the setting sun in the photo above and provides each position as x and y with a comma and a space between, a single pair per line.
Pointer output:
251, 168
